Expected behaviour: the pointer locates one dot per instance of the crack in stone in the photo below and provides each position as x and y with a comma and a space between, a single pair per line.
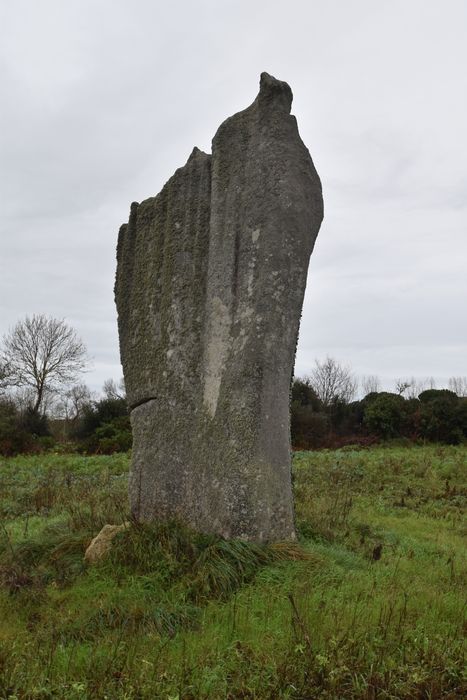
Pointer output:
141, 402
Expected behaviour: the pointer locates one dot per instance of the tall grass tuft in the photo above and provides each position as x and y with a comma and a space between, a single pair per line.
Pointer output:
210, 566
56, 556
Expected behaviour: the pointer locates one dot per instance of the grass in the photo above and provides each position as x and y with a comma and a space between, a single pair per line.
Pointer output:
369, 604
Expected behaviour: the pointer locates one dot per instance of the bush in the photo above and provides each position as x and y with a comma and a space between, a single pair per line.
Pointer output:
97, 414
309, 425
114, 437
308, 428
105, 427
443, 417
304, 395
385, 415
14, 439
46, 442
433, 394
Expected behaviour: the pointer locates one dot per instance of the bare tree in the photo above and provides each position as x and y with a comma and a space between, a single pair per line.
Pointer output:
72, 402
79, 396
112, 390
458, 385
370, 384
332, 381
402, 385
43, 354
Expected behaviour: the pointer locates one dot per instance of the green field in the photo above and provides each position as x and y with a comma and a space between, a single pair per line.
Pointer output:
369, 604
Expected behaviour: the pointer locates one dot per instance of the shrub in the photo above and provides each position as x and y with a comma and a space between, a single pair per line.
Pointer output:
46, 442
308, 428
309, 424
442, 416
14, 439
385, 415
97, 414
304, 395
114, 437
105, 427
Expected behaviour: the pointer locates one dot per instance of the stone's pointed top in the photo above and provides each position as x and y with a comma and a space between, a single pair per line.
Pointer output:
274, 91
196, 152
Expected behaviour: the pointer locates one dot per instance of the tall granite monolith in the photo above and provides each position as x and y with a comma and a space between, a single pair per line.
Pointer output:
210, 281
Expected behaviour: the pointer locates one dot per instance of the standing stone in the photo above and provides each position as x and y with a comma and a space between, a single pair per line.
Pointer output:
210, 281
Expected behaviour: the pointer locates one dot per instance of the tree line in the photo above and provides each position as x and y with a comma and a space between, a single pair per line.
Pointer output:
43, 404
325, 413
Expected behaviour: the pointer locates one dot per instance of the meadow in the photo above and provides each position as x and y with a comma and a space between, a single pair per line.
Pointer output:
369, 603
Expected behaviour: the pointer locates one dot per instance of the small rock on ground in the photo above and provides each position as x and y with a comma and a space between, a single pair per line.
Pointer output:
102, 543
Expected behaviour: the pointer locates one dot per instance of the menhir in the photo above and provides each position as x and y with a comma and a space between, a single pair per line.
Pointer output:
209, 290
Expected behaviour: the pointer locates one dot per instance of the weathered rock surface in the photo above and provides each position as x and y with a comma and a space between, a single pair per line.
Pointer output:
100, 546
210, 281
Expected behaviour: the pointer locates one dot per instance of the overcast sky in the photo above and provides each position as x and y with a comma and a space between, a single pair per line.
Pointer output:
103, 99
